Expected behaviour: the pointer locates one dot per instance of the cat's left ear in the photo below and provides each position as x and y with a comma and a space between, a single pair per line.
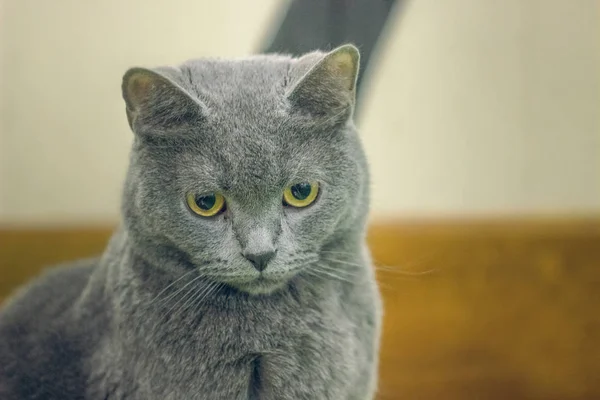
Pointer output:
329, 86
156, 103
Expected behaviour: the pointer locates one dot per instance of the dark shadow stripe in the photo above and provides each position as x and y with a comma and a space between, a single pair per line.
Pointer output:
326, 24
255, 384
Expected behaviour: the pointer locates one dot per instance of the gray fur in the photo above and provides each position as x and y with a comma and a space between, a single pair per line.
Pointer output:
172, 310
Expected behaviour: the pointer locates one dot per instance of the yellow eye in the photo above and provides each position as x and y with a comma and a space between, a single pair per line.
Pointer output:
301, 194
206, 205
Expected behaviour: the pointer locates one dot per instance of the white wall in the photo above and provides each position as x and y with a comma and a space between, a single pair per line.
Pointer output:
2, 101
487, 107
476, 106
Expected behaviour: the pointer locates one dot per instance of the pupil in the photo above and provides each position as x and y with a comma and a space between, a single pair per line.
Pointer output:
206, 202
301, 190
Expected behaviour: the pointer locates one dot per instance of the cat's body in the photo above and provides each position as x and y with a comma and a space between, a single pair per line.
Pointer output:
172, 310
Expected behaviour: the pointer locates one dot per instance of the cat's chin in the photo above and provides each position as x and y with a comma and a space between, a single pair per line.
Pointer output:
260, 286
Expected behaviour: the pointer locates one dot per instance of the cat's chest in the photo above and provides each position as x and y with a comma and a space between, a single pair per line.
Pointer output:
230, 337
229, 354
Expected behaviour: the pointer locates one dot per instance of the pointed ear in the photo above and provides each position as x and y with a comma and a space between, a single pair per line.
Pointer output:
157, 104
329, 86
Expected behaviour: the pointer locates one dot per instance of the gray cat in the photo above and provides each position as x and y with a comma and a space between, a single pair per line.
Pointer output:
240, 270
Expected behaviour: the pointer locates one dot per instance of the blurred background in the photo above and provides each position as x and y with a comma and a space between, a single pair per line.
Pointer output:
481, 120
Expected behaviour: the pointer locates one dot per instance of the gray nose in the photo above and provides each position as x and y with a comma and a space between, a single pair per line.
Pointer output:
260, 260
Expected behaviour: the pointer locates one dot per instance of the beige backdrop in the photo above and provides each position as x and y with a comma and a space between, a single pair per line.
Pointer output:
475, 106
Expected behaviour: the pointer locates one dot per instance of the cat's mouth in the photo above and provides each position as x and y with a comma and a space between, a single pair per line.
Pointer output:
261, 285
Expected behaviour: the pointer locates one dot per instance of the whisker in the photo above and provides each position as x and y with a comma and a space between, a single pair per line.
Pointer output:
195, 296
407, 273
177, 302
169, 285
388, 268
213, 290
312, 273
331, 275
352, 277
345, 262
345, 272
220, 275
162, 302
348, 253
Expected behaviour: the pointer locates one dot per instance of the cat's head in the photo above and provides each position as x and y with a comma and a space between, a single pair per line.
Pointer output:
245, 169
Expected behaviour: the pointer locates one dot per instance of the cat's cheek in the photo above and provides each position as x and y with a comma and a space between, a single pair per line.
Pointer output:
297, 218
200, 234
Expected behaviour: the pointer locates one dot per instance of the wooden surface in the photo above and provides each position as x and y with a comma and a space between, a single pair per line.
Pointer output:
500, 309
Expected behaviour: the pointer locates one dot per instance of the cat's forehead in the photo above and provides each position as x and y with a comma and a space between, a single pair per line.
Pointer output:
237, 83
246, 101
249, 132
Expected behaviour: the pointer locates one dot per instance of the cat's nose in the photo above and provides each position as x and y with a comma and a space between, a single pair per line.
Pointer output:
260, 259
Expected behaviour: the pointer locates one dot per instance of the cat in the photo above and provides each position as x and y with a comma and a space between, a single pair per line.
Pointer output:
240, 269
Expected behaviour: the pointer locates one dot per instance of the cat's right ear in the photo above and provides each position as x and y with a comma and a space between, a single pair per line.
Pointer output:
156, 104
329, 86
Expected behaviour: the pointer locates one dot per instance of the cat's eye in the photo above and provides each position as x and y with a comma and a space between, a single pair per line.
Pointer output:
300, 194
206, 205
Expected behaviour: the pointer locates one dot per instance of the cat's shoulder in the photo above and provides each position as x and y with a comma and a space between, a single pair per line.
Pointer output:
40, 347
51, 292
